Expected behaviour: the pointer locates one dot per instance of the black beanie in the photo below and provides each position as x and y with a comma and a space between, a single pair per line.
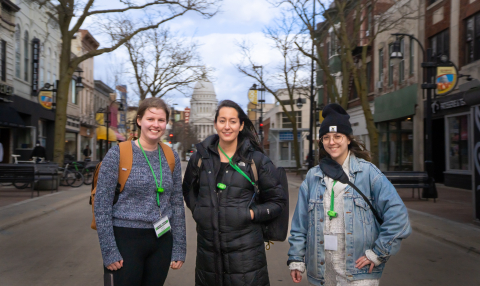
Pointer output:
335, 120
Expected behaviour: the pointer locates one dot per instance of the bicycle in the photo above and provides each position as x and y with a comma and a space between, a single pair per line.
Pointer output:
87, 171
70, 178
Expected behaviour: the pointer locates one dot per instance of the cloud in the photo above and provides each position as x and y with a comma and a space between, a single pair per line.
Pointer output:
238, 21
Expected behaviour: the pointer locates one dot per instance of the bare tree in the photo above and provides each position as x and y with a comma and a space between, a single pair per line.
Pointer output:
354, 25
290, 76
70, 15
161, 61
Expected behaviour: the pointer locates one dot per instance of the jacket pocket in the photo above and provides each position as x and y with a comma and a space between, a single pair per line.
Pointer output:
363, 211
311, 213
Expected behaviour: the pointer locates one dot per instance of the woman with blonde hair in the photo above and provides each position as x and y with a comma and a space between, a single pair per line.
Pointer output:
142, 229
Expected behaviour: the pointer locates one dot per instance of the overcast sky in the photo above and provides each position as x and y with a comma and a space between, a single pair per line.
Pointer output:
239, 20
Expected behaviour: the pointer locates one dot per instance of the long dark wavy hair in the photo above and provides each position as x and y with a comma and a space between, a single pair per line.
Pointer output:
249, 132
357, 148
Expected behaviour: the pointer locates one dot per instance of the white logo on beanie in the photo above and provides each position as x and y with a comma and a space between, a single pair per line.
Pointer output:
332, 129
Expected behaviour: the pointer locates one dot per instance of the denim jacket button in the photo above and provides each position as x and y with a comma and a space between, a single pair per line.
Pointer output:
321, 220
321, 242
321, 197
321, 263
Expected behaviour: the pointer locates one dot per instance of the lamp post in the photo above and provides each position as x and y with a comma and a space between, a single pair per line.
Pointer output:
429, 71
312, 99
261, 101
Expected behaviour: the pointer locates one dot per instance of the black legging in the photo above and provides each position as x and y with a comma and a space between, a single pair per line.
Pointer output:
146, 258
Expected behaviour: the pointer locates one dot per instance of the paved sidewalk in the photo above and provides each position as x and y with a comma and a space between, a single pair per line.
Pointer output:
28, 209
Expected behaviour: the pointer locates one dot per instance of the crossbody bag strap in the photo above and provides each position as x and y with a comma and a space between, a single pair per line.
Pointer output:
374, 211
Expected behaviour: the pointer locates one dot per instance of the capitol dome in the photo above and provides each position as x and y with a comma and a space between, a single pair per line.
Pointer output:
204, 89
203, 105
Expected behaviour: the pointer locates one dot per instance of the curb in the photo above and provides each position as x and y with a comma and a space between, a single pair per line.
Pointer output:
23, 218
451, 232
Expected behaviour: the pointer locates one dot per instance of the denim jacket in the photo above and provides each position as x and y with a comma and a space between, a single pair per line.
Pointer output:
362, 231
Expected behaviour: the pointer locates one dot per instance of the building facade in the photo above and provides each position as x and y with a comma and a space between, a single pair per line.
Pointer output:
203, 106
31, 60
101, 103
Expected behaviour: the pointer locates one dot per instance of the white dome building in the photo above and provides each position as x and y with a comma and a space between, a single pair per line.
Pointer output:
203, 105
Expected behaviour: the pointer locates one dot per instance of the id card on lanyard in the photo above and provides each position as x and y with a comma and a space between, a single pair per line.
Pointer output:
161, 226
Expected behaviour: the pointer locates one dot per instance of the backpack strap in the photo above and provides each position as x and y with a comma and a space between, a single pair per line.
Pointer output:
169, 155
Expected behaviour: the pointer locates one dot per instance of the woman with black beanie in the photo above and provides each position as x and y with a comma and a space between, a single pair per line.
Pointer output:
334, 235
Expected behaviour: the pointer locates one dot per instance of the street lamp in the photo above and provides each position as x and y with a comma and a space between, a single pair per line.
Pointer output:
299, 103
78, 82
396, 55
429, 67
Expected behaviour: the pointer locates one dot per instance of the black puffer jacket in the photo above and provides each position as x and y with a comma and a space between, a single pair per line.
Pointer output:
230, 247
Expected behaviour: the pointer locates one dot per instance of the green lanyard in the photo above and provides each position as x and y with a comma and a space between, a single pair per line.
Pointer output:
159, 188
331, 213
234, 167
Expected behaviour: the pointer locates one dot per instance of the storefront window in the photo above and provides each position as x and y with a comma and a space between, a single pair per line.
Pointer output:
284, 151
42, 132
70, 146
26, 137
458, 158
396, 145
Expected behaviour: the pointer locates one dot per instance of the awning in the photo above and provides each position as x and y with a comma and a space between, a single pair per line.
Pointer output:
120, 137
9, 117
102, 134
396, 104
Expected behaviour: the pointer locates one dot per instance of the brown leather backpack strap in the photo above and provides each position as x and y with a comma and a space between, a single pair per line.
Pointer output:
169, 155
254, 171
126, 162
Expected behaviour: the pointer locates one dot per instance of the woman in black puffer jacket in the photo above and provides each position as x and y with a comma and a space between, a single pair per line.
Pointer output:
230, 246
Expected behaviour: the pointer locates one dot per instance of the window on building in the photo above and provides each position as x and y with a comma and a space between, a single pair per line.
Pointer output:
458, 153
369, 22
472, 44
17, 51
380, 65
390, 66
25, 56
401, 65
396, 145
73, 91
412, 56
369, 76
440, 44
42, 132
286, 123
26, 137
333, 44
3, 60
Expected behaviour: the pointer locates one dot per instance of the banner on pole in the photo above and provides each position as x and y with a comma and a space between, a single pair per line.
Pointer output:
45, 98
446, 79
252, 96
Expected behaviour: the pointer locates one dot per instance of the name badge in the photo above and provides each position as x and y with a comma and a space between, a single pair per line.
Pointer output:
162, 226
331, 242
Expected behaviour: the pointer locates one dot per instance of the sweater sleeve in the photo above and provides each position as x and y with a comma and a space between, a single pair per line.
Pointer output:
177, 220
103, 208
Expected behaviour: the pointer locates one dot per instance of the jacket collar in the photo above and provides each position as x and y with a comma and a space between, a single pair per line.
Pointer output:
354, 166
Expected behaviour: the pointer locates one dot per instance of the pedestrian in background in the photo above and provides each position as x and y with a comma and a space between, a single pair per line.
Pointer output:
219, 192
87, 152
334, 232
131, 250
39, 152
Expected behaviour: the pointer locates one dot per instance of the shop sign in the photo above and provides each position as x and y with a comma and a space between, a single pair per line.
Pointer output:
6, 89
446, 79
187, 114
437, 106
35, 64
45, 98
252, 96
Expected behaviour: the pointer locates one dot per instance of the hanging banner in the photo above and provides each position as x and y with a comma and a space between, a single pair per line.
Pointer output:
252, 96
45, 98
35, 65
446, 79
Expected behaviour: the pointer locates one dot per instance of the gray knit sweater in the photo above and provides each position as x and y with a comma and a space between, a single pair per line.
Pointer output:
137, 205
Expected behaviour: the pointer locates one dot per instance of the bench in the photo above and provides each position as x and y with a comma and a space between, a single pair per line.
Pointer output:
14, 173
408, 179
47, 172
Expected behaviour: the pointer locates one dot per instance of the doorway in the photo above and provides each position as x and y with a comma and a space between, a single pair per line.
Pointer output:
5, 141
